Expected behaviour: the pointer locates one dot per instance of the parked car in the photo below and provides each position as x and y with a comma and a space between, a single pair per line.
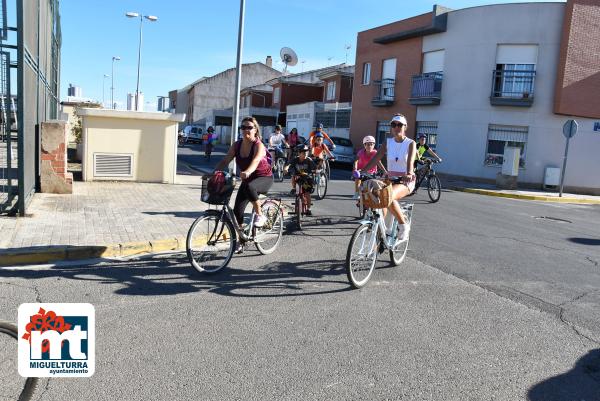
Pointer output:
344, 149
192, 134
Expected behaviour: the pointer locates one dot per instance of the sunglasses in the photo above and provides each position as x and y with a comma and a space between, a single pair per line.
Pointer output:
395, 125
369, 144
246, 127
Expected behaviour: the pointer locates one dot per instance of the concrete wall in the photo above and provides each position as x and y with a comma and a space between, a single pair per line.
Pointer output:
465, 111
217, 92
150, 137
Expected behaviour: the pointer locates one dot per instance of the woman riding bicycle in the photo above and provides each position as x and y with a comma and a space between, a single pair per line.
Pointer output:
255, 171
401, 152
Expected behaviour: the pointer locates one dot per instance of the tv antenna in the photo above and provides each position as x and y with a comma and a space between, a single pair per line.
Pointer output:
288, 57
347, 47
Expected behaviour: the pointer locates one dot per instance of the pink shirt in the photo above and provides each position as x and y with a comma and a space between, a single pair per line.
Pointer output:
364, 158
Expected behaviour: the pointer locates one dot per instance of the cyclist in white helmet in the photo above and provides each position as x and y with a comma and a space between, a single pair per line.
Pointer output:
401, 152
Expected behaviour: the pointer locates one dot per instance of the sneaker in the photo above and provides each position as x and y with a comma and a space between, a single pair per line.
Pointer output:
259, 220
293, 191
403, 232
240, 248
308, 213
356, 196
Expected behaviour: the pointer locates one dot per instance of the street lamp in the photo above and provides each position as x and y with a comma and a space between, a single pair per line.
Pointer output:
151, 18
103, 85
112, 82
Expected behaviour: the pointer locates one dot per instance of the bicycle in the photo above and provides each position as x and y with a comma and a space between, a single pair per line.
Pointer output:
301, 204
370, 239
215, 235
322, 178
279, 161
31, 382
434, 186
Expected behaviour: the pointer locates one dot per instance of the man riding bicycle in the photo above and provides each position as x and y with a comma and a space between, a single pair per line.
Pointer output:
401, 152
302, 167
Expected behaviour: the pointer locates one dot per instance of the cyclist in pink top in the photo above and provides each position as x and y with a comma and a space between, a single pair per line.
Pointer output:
363, 157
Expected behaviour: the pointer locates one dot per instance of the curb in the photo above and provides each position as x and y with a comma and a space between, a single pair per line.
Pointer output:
62, 253
541, 198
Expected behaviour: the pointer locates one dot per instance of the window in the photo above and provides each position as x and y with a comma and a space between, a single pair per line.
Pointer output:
366, 80
429, 129
383, 129
514, 79
501, 136
276, 95
330, 90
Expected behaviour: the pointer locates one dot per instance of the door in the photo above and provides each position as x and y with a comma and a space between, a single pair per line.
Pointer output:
388, 77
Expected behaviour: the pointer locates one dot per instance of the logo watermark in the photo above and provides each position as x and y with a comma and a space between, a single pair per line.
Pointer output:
57, 340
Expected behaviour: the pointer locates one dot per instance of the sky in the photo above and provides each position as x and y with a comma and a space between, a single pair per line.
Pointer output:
196, 38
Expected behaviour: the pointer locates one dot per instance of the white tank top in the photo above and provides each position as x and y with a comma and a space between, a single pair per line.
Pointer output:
397, 155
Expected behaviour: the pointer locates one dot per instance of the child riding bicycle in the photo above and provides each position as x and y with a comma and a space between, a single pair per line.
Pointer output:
302, 168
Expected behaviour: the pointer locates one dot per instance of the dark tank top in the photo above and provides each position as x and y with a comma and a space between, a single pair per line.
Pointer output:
263, 169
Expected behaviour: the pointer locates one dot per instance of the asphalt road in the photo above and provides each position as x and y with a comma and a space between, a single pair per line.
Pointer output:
498, 299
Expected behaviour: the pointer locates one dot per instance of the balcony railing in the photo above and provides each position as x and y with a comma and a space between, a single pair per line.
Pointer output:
384, 92
512, 88
426, 88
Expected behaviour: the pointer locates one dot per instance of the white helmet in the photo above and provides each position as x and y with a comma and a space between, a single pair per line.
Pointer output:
368, 139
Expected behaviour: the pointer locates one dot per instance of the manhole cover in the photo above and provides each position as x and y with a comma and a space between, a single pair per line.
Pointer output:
558, 220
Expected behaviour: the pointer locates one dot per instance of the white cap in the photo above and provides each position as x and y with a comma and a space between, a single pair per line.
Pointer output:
400, 119
368, 139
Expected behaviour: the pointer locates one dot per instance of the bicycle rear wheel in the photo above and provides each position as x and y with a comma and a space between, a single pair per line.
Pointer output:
8, 366
361, 255
268, 237
398, 251
434, 188
210, 242
322, 185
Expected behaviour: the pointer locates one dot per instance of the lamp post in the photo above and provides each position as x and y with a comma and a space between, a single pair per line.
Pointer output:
112, 82
238, 80
103, 86
151, 18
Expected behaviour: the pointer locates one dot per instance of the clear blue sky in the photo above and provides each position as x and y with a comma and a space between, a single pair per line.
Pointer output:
195, 38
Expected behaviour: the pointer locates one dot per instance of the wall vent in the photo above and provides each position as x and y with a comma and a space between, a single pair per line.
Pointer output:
113, 165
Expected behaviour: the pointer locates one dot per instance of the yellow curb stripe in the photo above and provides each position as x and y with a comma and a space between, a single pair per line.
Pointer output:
586, 201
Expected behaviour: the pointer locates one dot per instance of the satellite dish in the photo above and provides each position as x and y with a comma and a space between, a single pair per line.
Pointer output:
288, 57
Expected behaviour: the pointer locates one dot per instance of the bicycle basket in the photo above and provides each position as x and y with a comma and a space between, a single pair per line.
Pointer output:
216, 189
376, 194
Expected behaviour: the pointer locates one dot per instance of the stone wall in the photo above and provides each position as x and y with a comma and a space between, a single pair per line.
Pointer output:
54, 177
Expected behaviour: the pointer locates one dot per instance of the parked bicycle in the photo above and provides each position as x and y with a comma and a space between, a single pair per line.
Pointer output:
434, 186
370, 239
215, 235
6, 361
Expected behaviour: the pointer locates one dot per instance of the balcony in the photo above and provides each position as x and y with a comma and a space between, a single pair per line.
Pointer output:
512, 88
426, 89
384, 92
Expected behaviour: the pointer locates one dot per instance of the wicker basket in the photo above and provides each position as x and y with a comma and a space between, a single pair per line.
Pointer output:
377, 198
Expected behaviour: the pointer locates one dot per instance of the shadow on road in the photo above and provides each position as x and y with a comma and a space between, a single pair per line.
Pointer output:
172, 274
585, 241
580, 383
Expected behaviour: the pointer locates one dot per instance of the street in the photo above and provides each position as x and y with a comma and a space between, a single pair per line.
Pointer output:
497, 299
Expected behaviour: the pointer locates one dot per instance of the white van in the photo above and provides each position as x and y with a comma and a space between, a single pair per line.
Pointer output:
192, 133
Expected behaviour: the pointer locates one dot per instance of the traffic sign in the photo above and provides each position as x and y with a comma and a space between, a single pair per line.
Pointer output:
570, 129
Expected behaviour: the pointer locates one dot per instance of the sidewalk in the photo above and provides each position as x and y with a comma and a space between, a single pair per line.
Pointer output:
102, 219
529, 194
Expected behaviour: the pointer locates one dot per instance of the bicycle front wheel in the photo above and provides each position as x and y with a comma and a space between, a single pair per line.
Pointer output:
321, 185
279, 170
8, 366
361, 255
210, 242
299, 211
268, 237
434, 188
